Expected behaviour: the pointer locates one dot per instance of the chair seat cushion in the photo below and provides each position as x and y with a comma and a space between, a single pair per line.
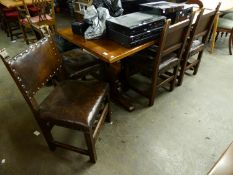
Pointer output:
36, 19
229, 16
33, 10
225, 23
73, 103
143, 62
169, 61
76, 60
197, 46
12, 14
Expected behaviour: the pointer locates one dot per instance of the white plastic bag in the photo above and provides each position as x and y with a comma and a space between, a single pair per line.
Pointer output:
96, 18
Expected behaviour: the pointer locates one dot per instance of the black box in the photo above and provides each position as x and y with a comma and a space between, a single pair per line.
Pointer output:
79, 27
135, 28
174, 11
134, 40
135, 23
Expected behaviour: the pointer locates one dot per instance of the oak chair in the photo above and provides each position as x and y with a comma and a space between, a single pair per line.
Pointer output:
72, 104
225, 25
163, 64
199, 35
43, 13
10, 21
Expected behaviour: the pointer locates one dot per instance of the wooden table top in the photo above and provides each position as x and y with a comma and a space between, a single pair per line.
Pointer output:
105, 49
212, 4
14, 3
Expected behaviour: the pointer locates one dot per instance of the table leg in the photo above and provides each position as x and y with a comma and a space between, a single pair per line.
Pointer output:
113, 77
214, 33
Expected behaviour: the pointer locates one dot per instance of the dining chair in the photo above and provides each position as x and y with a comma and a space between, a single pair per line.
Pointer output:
77, 63
10, 22
43, 13
225, 25
199, 35
78, 105
162, 65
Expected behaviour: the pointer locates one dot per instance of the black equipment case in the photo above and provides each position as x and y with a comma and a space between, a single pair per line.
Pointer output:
135, 28
176, 12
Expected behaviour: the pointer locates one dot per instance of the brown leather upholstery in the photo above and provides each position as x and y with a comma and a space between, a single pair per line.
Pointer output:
168, 62
147, 59
196, 47
73, 103
34, 73
76, 61
224, 166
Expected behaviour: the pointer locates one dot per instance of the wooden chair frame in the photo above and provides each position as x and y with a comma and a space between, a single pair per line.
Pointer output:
41, 5
165, 47
195, 34
90, 133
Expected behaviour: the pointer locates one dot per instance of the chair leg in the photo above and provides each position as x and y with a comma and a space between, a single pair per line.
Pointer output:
10, 31
108, 116
182, 71
198, 64
217, 35
230, 41
90, 145
47, 135
7, 29
152, 100
152, 97
24, 34
173, 82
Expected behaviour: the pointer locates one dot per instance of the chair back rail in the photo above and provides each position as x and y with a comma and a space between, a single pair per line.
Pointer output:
200, 30
173, 39
204, 24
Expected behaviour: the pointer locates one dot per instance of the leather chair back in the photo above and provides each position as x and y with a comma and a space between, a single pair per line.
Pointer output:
173, 39
204, 25
34, 67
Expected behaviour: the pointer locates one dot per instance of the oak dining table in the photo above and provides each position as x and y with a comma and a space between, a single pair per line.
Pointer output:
111, 53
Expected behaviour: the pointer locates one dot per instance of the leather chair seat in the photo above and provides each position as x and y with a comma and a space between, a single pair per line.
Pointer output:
229, 16
168, 61
225, 23
69, 104
224, 166
196, 47
144, 62
77, 60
